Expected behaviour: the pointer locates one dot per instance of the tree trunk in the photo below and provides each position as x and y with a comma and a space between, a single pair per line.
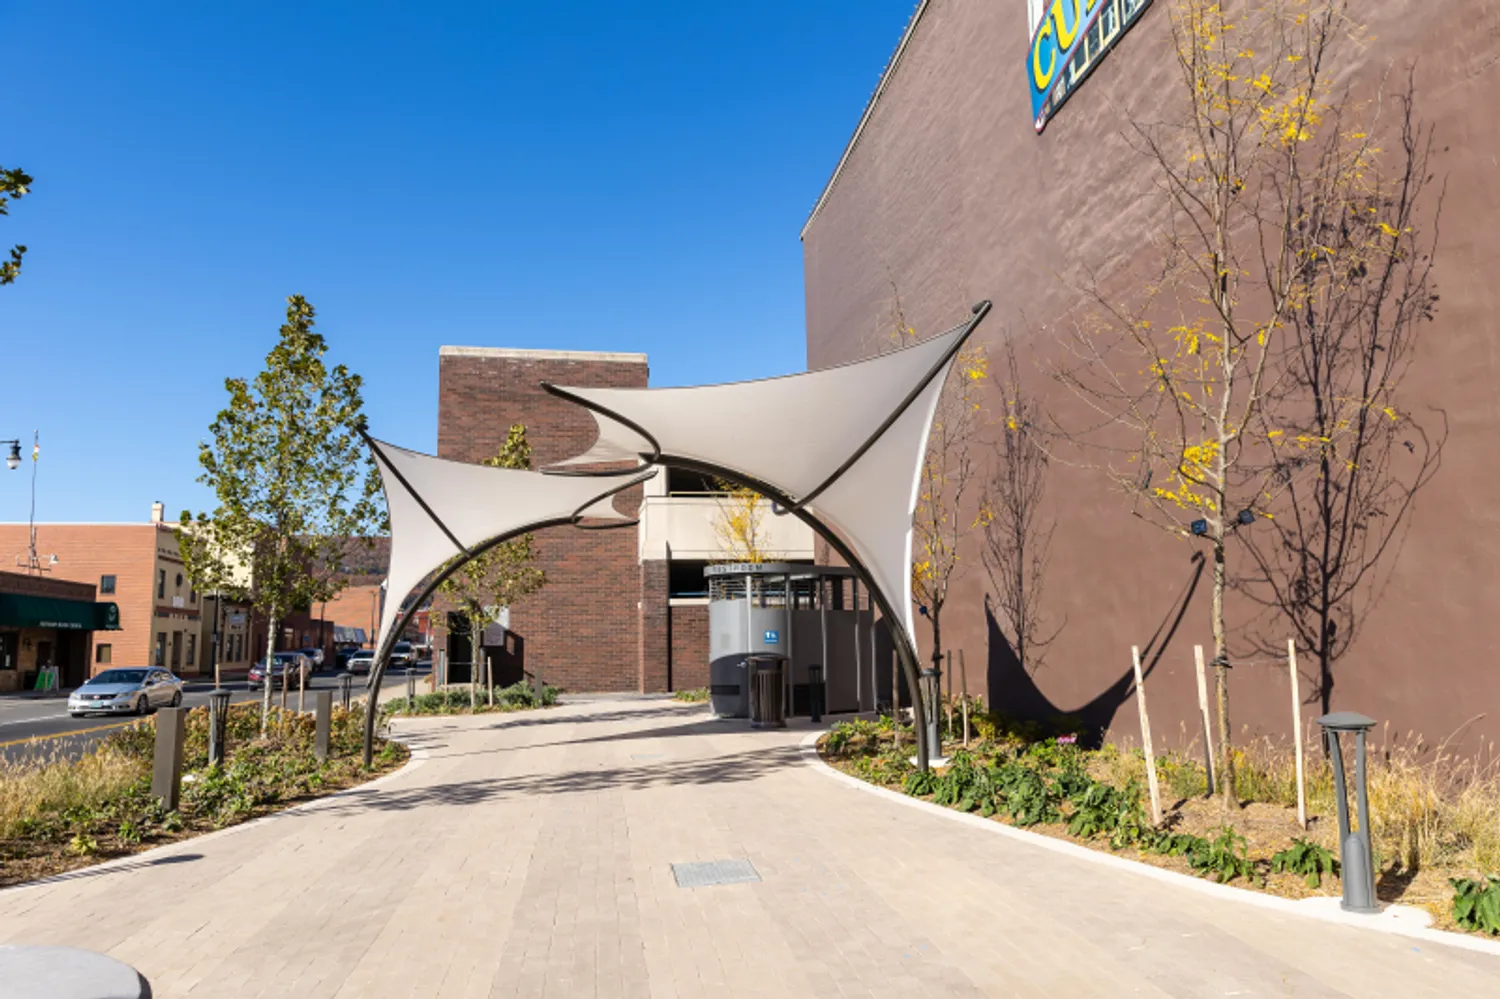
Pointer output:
936, 707
476, 636
265, 704
1221, 678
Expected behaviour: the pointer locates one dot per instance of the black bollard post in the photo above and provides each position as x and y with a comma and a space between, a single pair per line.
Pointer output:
218, 726
346, 683
411, 688
815, 692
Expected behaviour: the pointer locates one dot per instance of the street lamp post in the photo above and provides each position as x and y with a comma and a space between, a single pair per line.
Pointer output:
13, 460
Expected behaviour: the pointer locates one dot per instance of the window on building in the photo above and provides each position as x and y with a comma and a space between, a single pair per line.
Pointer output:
179, 580
193, 595
106, 585
683, 482
161, 584
104, 653
176, 650
685, 579
192, 650
160, 655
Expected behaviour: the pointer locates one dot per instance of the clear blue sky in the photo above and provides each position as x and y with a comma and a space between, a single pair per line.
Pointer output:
587, 175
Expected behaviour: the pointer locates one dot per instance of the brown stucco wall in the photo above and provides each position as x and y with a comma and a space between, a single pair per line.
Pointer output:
951, 196
582, 629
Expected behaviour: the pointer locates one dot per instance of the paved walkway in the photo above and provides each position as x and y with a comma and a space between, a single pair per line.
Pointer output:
530, 856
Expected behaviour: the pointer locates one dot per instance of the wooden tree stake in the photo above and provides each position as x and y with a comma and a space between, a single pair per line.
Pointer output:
1208, 735
1140, 703
1291, 661
963, 681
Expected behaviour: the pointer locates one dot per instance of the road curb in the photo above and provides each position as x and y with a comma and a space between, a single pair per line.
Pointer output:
1397, 920
417, 758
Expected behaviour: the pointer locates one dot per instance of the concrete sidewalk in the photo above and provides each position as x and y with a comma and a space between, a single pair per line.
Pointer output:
530, 855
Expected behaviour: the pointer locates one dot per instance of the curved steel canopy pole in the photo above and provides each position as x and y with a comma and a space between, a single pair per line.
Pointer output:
388, 641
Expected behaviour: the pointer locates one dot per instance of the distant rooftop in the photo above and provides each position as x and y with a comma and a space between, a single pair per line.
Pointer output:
514, 354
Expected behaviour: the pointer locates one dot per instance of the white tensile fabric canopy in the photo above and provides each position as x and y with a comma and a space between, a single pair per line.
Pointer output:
440, 509
846, 444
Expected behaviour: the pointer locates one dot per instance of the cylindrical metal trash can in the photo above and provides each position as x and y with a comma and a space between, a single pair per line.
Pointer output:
767, 707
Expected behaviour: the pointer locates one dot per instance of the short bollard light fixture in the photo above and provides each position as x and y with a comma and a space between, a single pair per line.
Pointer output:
930, 694
815, 692
1354, 847
411, 688
166, 765
322, 722
218, 726
346, 684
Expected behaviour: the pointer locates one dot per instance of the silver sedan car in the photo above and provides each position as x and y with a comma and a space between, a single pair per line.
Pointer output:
127, 690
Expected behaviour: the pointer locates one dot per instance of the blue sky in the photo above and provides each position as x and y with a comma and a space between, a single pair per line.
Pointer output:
587, 175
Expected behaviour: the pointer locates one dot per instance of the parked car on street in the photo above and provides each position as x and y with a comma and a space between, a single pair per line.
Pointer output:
288, 669
402, 654
360, 660
126, 690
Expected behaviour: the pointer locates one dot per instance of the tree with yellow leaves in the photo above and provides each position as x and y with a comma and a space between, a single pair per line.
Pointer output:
1193, 387
739, 524
950, 473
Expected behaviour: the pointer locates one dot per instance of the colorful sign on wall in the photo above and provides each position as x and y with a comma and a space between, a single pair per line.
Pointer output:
1067, 43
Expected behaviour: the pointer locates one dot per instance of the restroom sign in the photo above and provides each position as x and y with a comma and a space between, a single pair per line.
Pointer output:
773, 637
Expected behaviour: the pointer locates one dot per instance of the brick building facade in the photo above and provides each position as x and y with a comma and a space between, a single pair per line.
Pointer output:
947, 194
623, 609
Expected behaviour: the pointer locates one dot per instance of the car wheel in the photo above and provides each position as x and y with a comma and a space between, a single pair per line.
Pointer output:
141, 705
177, 699
76, 714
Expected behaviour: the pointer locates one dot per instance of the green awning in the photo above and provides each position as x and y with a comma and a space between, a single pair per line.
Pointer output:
17, 611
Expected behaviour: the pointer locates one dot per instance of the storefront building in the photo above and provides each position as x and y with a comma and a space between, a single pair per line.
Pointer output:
48, 622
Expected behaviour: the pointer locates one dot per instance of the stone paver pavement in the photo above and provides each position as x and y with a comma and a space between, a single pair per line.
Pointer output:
531, 855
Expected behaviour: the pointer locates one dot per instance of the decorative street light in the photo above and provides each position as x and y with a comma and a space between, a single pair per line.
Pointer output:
13, 460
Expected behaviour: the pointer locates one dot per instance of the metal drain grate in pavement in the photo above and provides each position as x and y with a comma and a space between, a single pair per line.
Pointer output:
714, 872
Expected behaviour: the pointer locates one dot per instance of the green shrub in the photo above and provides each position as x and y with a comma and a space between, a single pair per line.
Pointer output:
1307, 859
1224, 857
1476, 903
920, 783
694, 696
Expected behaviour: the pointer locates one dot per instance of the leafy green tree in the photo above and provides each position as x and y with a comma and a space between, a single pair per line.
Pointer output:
14, 185
294, 482
499, 577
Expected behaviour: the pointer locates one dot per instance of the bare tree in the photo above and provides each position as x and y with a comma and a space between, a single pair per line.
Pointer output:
1349, 460
1017, 533
1186, 383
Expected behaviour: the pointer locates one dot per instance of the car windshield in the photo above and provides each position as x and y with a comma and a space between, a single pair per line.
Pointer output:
403, 646
120, 676
363, 654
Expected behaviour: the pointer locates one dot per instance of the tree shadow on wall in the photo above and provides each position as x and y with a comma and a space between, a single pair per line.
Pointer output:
1014, 693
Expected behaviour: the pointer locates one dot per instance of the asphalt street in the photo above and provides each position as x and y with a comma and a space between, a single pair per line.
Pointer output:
42, 726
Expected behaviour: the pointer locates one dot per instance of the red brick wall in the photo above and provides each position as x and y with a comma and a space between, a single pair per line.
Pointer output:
87, 551
582, 629
689, 646
654, 634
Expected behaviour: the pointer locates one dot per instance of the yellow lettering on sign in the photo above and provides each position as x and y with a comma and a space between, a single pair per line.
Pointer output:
1066, 34
1040, 79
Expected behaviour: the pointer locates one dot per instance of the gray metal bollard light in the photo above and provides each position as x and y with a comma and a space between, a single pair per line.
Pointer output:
166, 769
929, 695
322, 722
411, 688
1355, 854
218, 726
346, 685
815, 692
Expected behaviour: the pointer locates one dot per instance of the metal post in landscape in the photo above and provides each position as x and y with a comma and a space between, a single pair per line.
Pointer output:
815, 692
346, 683
411, 688
322, 722
929, 694
1354, 846
218, 726
166, 768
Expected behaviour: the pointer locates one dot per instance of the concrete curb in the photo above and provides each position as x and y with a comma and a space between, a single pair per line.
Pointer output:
1399, 920
417, 758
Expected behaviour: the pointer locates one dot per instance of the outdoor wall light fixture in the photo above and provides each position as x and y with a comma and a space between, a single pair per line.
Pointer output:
1242, 519
13, 460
